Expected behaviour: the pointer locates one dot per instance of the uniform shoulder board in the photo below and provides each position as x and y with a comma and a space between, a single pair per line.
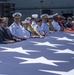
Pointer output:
12, 24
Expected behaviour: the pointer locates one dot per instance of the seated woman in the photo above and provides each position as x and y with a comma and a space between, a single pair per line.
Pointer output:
26, 32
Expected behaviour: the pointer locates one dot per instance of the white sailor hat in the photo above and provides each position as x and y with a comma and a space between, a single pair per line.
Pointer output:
28, 18
44, 16
17, 14
56, 14
34, 15
25, 21
50, 16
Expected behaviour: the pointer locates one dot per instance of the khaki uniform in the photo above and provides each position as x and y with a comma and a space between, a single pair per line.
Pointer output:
51, 28
32, 30
39, 29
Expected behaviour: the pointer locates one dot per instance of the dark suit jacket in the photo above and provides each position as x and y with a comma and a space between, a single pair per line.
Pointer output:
2, 39
6, 35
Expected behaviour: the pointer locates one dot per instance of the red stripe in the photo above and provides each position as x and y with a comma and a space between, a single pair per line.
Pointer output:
69, 31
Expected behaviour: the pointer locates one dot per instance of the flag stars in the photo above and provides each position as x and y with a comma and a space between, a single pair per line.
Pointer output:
67, 51
64, 39
71, 72
46, 44
18, 50
0, 61
41, 60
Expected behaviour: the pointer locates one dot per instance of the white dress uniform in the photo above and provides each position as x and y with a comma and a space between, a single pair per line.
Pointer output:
39, 29
45, 27
26, 32
56, 25
16, 30
33, 22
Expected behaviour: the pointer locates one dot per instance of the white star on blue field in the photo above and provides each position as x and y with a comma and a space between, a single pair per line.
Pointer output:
51, 55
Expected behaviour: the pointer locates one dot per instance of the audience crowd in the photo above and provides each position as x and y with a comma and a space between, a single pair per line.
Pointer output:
32, 27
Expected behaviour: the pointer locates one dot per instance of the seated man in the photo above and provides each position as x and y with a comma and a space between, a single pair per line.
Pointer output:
50, 19
6, 32
45, 26
56, 24
38, 29
2, 38
16, 27
34, 19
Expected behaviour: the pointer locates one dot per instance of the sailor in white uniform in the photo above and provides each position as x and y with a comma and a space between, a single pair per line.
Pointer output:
16, 28
45, 25
38, 28
34, 19
55, 23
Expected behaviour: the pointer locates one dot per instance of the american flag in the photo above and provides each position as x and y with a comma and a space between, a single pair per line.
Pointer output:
52, 55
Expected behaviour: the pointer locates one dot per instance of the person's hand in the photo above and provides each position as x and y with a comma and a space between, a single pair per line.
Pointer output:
41, 36
35, 36
18, 40
26, 37
11, 41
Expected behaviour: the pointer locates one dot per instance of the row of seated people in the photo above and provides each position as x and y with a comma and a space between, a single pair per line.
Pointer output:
31, 27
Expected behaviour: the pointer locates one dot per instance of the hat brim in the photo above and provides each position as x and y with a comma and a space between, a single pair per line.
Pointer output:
17, 17
44, 17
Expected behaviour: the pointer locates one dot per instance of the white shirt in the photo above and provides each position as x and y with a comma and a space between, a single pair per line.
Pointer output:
26, 32
45, 27
56, 25
16, 30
